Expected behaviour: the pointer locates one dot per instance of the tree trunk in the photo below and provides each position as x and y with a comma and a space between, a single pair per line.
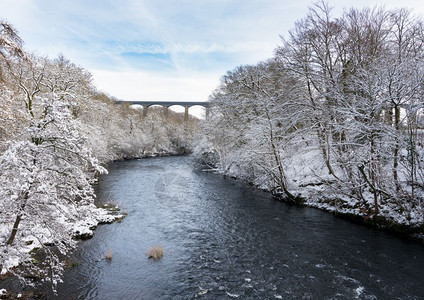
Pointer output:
321, 139
412, 151
373, 174
14, 230
324, 145
17, 221
396, 149
282, 177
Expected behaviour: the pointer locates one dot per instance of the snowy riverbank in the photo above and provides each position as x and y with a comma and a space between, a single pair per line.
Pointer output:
389, 219
308, 179
81, 229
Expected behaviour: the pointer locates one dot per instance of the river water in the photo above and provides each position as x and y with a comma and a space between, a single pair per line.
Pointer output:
222, 239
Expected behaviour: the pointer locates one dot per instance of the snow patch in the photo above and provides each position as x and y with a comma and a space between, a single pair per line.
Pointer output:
80, 229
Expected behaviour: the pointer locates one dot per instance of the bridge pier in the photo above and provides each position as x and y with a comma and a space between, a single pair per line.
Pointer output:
186, 113
165, 111
145, 110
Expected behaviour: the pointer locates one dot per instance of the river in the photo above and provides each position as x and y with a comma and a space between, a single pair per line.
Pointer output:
222, 239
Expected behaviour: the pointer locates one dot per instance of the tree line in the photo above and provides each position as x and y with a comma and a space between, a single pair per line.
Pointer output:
334, 119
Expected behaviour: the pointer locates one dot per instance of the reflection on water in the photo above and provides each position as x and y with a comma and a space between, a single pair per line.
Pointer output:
224, 240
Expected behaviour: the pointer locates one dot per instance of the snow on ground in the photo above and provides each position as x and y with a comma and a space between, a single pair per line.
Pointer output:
82, 229
308, 177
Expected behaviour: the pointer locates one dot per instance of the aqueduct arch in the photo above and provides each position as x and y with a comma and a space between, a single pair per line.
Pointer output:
167, 104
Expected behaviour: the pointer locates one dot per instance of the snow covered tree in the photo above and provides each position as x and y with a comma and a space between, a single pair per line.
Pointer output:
255, 113
10, 46
348, 88
313, 52
11, 115
45, 188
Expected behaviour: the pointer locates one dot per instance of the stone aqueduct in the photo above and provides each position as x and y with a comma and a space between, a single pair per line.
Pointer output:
167, 104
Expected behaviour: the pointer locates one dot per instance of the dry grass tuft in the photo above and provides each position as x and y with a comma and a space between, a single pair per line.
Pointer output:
109, 254
155, 252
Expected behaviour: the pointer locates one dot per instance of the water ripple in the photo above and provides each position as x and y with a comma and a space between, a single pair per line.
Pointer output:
222, 239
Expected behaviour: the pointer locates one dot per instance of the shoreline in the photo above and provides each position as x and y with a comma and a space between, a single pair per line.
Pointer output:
376, 222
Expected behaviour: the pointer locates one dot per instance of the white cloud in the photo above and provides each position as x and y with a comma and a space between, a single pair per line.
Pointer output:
200, 40
137, 85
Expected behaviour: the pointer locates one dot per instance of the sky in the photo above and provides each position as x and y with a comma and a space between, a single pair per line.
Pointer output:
163, 49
